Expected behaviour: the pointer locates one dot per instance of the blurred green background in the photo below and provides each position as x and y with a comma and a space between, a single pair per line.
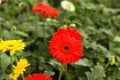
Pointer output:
97, 20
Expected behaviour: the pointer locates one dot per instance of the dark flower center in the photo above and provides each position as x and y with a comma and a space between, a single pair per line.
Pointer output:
10, 45
66, 47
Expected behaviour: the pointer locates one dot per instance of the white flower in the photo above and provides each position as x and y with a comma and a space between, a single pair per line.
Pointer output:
67, 5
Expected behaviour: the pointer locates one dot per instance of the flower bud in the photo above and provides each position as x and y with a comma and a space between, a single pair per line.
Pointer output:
22, 5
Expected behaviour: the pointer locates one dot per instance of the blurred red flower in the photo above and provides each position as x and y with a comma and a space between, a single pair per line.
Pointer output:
66, 45
45, 9
38, 77
3, 1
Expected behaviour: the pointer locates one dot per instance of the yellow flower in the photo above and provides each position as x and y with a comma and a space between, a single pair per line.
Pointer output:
112, 61
12, 46
67, 5
19, 69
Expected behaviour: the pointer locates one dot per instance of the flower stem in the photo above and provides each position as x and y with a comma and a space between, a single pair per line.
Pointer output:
110, 3
36, 30
11, 63
61, 71
44, 38
36, 22
22, 76
66, 74
106, 66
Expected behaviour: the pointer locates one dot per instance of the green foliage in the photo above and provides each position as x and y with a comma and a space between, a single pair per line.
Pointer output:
97, 20
96, 74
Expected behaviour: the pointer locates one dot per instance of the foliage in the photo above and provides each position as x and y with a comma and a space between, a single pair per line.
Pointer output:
97, 20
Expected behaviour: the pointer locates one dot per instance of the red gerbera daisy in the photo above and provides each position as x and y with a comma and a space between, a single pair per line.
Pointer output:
38, 77
45, 9
66, 45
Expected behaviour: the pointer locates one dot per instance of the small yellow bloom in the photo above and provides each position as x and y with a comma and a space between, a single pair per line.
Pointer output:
12, 46
112, 61
19, 69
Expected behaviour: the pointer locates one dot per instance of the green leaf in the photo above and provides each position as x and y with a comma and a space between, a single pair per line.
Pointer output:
55, 63
117, 39
50, 73
21, 33
89, 76
6, 34
5, 61
116, 50
84, 62
96, 73
4, 76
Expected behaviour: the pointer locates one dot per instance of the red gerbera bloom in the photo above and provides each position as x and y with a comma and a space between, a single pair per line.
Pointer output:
38, 77
66, 45
40, 7
45, 9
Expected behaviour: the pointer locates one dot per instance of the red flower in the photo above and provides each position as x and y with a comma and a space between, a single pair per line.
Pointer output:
66, 45
45, 9
38, 77
40, 7
3, 1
